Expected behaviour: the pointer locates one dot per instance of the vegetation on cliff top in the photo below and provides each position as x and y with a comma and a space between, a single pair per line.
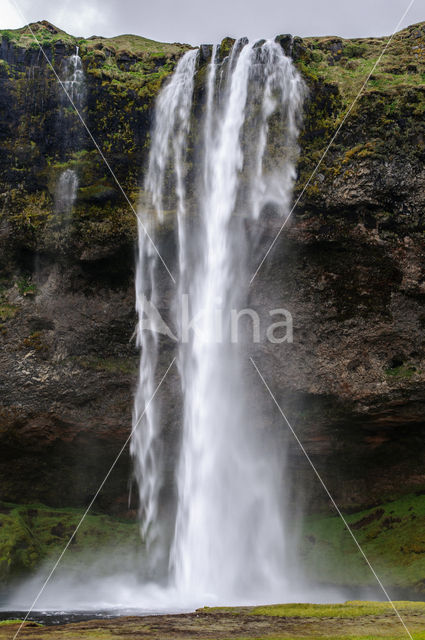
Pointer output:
347, 63
124, 75
128, 61
387, 119
47, 35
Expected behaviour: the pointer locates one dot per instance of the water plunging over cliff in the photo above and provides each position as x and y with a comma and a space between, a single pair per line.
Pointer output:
74, 83
227, 538
73, 79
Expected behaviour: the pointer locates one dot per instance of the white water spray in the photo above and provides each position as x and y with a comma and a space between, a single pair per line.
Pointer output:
227, 542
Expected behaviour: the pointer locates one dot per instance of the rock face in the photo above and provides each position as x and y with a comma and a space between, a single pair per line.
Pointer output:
68, 359
349, 267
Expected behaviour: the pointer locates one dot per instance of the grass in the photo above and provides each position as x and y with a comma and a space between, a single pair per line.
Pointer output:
7, 311
135, 45
106, 57
391, 636
24, 38
349, 621
348, 63
353, 609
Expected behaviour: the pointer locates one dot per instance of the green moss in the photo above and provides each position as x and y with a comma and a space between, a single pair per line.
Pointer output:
355, 49
367, 150
114, 365
9, 34
391, 536
98, 193
403, 371
4, 67
226, 46
31, 534
386, 120
26, 287
7, 310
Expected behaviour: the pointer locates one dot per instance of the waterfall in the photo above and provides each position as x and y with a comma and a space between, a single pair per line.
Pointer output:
168, 143
74, 83
227, 541
73, 79
66, 192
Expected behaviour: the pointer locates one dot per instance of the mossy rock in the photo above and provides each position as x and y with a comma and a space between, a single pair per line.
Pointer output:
33, 534
391, 535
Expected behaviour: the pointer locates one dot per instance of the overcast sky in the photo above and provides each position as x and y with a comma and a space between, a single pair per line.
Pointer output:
204, 21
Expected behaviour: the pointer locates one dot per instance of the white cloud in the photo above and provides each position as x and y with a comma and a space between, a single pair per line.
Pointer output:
9, 17
196, 21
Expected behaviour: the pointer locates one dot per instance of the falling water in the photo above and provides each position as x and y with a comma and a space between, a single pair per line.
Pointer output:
66, 192
73, 81
169, 137
227, 539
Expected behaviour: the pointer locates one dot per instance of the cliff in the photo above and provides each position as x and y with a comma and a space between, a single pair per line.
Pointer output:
349, 267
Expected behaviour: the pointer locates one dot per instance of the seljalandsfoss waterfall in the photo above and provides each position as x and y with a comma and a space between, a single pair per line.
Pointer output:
220, 173
212, 303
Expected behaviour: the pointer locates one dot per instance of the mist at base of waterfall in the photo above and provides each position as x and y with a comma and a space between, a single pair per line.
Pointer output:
109, 586
111, 583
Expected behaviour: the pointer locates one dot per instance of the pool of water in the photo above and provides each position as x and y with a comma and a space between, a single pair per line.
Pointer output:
64, 617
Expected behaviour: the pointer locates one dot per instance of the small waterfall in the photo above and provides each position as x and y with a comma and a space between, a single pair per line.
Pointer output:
73, 79
227, 540
74, 83
66, 192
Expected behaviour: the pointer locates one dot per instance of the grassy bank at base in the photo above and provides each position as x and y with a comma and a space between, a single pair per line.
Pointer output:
348, 621
33, 534
391, 534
